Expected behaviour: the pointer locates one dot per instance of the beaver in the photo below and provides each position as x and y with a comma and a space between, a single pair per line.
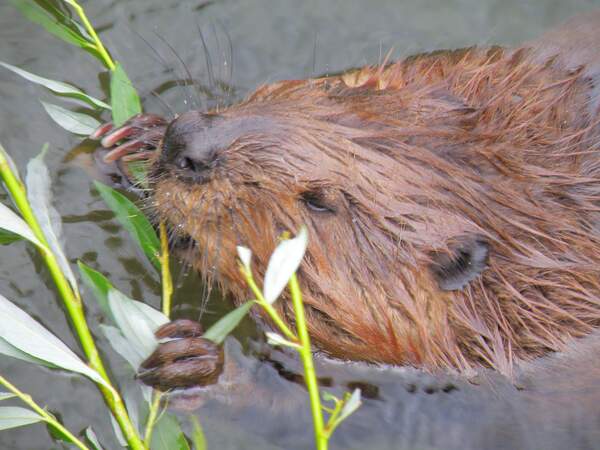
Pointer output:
452, 199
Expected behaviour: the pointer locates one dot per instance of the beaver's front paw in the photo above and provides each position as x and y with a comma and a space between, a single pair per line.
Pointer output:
135, 140
183, 359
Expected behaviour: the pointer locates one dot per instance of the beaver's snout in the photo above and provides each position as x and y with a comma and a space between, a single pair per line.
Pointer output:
190, 145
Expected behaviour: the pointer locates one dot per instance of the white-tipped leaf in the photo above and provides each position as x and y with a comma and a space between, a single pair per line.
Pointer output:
13, 167
136, 321
39, 194
284, 261
9, 220
351, 404
15, 416
21, 331
122, 346
6, 395
117, 429
225, 325
91, 437
245, 256
76, 123
277, 339
10, 350
57, 87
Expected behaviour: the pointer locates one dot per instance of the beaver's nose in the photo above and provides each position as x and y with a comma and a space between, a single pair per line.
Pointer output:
190, 145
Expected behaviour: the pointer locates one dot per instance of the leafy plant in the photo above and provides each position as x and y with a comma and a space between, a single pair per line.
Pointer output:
131, 326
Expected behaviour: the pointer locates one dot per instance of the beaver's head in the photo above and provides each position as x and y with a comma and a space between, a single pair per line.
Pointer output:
421, 196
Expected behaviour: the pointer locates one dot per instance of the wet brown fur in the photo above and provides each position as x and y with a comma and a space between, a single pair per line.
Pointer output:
410, 156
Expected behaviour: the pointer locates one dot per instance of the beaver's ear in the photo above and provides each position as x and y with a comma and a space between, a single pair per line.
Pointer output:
465, 258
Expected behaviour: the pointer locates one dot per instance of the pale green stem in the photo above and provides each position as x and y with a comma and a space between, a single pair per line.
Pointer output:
260, 299
167, 282
167, 292
310, 376
49, 419
152, 416
73, 304
90, 29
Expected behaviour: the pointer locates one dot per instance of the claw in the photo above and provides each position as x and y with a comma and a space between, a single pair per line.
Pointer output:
102, 130
148, 139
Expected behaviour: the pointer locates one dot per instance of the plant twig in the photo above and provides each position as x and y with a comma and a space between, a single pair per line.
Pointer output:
74, 306
167, 282
90, 29
152, 417
310, 377
260, 299
46, 417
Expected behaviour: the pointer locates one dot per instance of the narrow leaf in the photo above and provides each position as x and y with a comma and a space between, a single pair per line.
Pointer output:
39, 193
58, 87
99, 285
133, 220
6, 395
198, 438
15, 416
6, 237
225, 325
91, 437
21, 331
117, 430
245, 256
284, 261
135, 322
12, 223
37, 14
123, 97
168, 435
76, 123
13, 167
122, 346
351, 404
10, 350
277, 339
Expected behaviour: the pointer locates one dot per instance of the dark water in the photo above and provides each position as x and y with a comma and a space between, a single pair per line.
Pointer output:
271, 40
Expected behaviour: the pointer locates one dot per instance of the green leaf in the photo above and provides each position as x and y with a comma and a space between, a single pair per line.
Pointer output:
198, 438
21, 331
277, 339
99, 285
12, 351
351, 404
13, 224
225, 325
6, 395
74, 122
284, 261
136, 321
39, 194
39, 15
168, 435
122, 346
123, 97
13, 167
134, 221
91, 437
14, 416
117, 430
58, 87
6, 237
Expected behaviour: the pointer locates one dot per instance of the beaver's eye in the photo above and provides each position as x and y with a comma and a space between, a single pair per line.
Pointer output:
315, 202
